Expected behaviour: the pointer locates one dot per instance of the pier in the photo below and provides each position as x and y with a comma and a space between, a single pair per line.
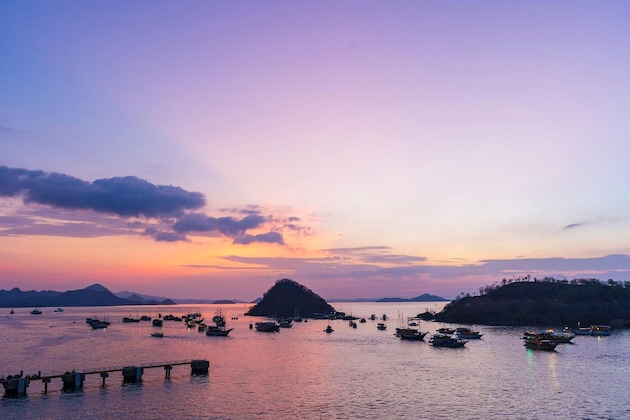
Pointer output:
16, 385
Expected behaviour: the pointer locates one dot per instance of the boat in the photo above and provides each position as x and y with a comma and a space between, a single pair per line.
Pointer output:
551, 335
535, 343
597, 330
410, 334
267, 326
215, 331
373, 317
446, 331
145, 318
97, 324
219, 318
381, 326
467, 334
285, 323
12, 311
157, 322
362, 321
443, 340
36, 312
202, 327
600, 330
328, 329
130, 319
59, 310
157, 334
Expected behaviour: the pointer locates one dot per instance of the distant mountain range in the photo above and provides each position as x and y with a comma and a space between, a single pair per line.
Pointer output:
98, 295
94, 295
422, 298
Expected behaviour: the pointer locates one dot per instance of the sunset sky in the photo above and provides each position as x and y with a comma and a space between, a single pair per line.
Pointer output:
205, 149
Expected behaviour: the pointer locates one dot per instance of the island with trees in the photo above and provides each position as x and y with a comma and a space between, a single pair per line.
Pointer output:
548, 301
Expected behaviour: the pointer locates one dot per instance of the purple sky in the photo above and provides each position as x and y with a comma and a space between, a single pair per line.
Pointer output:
362, 148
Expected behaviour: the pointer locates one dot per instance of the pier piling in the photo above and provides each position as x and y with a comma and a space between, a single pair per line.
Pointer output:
72, 381
132, 374
199, 367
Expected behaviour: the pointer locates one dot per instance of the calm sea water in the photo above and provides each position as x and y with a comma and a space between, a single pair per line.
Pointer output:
305, 373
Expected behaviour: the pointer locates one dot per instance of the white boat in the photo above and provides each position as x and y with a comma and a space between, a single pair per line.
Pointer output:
59, 310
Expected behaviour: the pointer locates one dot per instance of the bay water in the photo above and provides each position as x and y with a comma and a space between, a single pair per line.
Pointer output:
303, 372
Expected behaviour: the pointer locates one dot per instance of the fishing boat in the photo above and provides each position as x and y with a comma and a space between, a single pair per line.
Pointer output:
550, 335
36, 312
597, 330
381, 326
442, 340
446, 331
219, 318
267, 326
215, 331
535, 343
410, 334
130, 319
467, 334
157, 322
328, 329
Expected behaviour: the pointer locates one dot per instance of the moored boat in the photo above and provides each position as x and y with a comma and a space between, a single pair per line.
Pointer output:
467, 334
442, 340
36, 311
535, 343
157, 322
410, 334
267, 326
550, 335
59, 310
381, 326
215, 331
596, 330
328, 329
157, 334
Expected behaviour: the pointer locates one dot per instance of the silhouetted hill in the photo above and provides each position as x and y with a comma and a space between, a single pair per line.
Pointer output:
422, 298
94, 295
287, 297
547, 302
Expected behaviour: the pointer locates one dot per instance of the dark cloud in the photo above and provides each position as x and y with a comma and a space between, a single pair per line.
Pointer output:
269, 238
164, 236
228, 226
123, 196
572, 225
166, 209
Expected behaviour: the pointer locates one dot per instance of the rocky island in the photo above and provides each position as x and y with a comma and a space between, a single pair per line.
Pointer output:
288, 298
544, 302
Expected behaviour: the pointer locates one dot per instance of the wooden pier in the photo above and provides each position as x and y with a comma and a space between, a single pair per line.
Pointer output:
16, 385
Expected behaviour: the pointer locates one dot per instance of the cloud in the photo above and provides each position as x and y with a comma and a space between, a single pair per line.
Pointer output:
573, 225
164, 236
167, 209
269, 238
228, 226
123, 196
